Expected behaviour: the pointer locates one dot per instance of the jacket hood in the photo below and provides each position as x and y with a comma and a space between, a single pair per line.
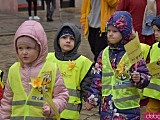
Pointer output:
72, 55
122, 20
34, 30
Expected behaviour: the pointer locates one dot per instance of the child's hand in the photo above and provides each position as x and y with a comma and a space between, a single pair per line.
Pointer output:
89, 106
135, 77
46, 110
133, 35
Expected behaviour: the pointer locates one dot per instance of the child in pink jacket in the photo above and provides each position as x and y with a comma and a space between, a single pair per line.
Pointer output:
35, 87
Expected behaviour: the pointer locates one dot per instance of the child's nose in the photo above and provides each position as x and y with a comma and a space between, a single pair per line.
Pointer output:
68, 39
25, 51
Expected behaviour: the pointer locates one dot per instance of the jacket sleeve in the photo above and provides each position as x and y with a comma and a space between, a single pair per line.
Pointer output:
85, 84
6, 103
141, 67
84, 11
60, 94
96, 86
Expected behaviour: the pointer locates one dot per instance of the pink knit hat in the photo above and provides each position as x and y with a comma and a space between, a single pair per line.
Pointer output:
29, 42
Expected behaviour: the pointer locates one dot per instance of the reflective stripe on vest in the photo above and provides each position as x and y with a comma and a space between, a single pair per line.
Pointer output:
72, 79
73, 92
154, 86
125, 94
31, 118
31, 105
73, 107
153, 89
22, 102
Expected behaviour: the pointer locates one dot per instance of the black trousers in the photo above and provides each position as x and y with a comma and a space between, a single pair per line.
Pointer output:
51, 4
30, 7
97, 42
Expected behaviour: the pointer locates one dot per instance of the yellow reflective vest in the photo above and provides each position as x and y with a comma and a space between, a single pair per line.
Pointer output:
73, 73
30, 107
153, 89
145, 52
125, 95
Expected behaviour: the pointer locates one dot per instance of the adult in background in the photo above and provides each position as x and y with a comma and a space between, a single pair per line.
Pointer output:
94, 15
35, 17
51, 5
142, 11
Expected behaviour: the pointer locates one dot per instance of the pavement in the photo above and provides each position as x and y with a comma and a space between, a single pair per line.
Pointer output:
9, 23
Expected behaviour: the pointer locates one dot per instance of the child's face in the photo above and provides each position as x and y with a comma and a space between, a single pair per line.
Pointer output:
27, 54
66, 43
113, 35
156, 33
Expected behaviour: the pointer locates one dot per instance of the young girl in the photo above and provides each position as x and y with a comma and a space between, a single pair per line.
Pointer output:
28, 79
115, 88
152, 90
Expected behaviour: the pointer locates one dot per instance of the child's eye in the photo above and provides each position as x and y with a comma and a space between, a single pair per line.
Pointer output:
28, 48
20, 48
108, 30
71, 38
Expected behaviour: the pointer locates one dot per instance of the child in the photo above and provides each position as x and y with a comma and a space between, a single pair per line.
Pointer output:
152, 90
31, 76
115, 88
1, 84
74, 67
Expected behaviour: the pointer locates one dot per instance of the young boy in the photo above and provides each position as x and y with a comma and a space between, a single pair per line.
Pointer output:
152, 90
32, 79
115, 88
74, 67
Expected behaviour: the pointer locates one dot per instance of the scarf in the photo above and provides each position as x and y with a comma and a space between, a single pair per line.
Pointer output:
149, 14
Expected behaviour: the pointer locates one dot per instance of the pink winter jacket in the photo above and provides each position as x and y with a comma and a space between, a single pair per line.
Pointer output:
60, 92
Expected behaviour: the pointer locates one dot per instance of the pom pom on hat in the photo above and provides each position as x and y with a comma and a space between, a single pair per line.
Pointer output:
66, 31
122, 20
156, 21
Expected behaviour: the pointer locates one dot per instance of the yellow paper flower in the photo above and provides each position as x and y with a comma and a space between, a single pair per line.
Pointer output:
122, 70
71, 64
120, 67
36, 82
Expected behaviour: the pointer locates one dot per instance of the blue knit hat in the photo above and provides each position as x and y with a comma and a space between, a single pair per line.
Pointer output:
122, 20
66, 31
156, 21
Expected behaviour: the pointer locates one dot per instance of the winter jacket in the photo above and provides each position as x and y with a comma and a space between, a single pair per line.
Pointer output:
107, 8
108, 109
136, 8
34, 30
